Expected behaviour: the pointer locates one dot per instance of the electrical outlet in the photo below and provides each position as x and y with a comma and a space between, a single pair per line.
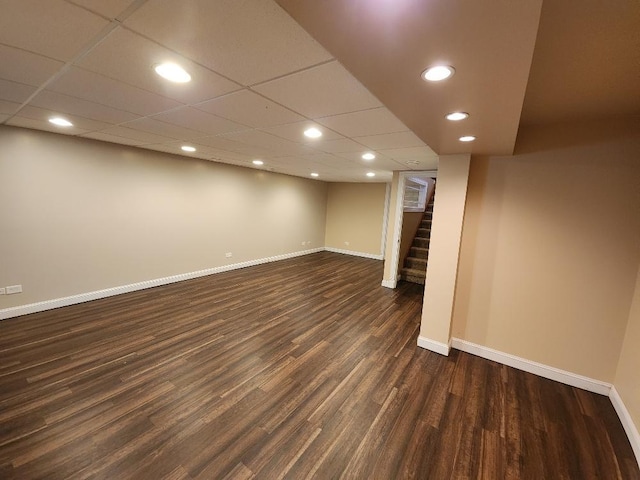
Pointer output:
2, 291
346, 243
228, 254
11, 289
303, 244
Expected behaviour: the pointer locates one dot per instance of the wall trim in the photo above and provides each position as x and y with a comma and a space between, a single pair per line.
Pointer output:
109, 292
353, 253
434, 346
552, 373
627, 422
389, 283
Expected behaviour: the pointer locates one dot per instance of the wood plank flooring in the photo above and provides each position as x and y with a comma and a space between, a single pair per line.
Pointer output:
305, 368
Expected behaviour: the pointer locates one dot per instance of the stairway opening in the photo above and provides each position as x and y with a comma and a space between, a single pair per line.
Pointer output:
416, 253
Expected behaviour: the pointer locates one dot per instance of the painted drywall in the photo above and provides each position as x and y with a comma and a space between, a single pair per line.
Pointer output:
355, 214
627, 380
410, 224
444, 251
80, 215
391, 267
550, 247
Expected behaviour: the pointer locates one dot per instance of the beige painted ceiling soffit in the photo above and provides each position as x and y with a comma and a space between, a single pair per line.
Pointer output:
386, 44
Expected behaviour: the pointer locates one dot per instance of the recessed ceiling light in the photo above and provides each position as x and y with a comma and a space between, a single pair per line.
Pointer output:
258, 162
312, 132
60, 122
172, 72
371, 174
457, 116
368, 156
467, 138
438, 73
314, 174
188, 148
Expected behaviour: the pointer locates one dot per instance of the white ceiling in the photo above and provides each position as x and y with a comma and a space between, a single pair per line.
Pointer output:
263, 72
258, 81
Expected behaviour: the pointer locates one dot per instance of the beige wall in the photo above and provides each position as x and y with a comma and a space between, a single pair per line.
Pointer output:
550, 247
78, 215
410, 223
627, 381
355, 214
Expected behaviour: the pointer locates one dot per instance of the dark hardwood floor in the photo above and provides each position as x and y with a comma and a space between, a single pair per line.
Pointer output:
305, 368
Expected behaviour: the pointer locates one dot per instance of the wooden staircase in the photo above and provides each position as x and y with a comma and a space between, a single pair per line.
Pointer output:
415, 265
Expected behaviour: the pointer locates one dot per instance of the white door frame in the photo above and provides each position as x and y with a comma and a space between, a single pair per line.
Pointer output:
397, 224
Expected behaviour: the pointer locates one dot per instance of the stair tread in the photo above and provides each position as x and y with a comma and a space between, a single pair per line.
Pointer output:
413, 272
416, 259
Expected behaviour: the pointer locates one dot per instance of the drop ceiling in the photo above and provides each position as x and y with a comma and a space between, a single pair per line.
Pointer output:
264, 71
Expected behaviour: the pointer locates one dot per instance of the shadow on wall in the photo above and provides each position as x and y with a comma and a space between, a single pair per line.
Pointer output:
478, 220
541, 138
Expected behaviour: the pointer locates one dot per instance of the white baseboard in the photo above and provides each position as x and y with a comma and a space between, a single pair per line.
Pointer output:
389, 283
434, 346
536, 368
354, 253
627, 422
109, 292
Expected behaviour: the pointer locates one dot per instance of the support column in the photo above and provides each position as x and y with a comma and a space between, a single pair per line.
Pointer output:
444, 252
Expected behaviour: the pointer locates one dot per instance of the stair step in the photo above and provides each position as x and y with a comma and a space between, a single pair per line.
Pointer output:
413, 276
425, 224
420, 242
419, 252
416, 263
423, 233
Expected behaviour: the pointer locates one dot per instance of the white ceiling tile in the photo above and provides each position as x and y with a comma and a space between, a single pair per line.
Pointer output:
320, 91
391, 140
365, 123
295, 132
8, 108
144, 137
106, 91
249, 108
248, 41
380, 162
412, 153
174, 148
33, 69
76, 106
339, 146
268, 142
328, 160
163, 129
195, 119
15, 92
357, 157
43, 114
427, 163
130, 58
52, 28
36, 124
105, 137
204, 152
223, 143
108, 8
